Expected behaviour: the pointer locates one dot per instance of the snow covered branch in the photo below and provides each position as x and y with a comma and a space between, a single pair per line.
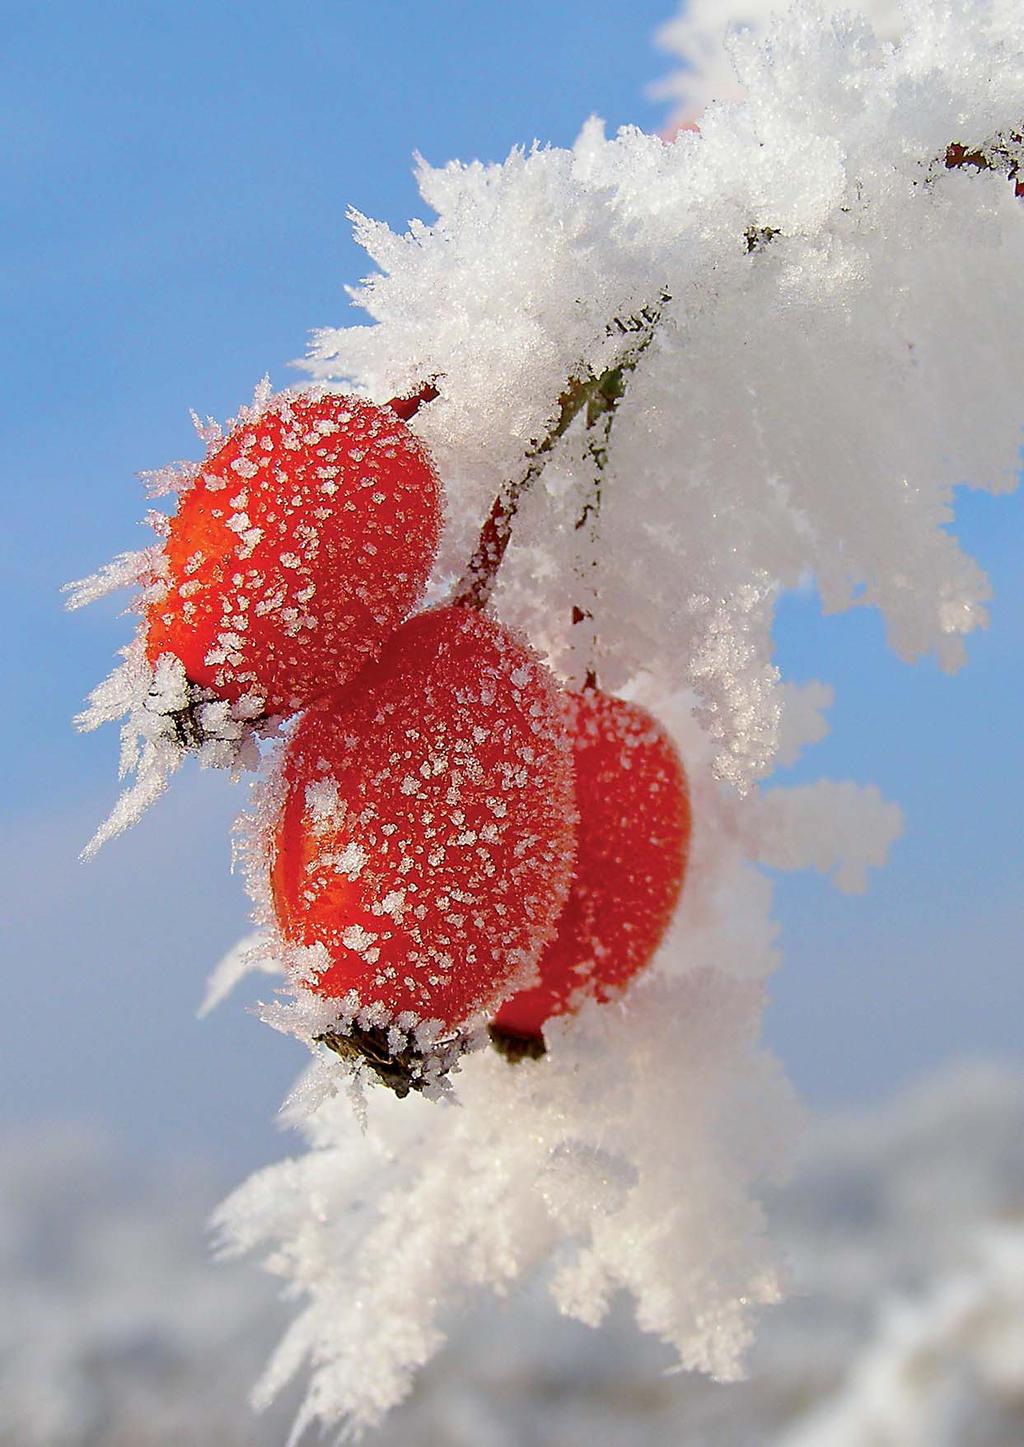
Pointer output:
657, 384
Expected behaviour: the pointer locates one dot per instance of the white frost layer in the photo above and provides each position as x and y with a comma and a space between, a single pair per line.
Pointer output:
844, 829
807, 406
837, 347
384, 1232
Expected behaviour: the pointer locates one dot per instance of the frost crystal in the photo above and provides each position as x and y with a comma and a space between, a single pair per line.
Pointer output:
483, 1194
165, 718
704, 33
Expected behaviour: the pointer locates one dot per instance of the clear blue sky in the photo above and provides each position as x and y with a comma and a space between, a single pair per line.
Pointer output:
176, 178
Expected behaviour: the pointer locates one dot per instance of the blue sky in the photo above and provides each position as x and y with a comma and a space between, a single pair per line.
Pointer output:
176, 179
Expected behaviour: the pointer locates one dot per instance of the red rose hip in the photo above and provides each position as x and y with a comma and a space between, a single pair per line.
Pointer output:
632, 844
426, 833
304, 541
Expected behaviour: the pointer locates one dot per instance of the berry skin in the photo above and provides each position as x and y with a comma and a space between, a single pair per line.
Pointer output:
304, 541
632, 844
426, 833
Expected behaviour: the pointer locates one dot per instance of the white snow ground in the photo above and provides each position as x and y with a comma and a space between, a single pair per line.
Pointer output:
904, 1227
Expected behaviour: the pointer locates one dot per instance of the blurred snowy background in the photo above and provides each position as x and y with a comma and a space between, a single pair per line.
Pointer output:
904, 1227
176, 178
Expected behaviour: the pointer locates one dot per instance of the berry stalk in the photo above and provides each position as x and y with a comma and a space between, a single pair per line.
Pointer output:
597, 397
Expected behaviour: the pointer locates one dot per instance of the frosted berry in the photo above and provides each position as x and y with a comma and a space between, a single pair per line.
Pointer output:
632, 844
304, 541
426, 833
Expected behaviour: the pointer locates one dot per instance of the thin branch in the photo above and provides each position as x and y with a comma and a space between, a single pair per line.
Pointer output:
599, 424
598, 396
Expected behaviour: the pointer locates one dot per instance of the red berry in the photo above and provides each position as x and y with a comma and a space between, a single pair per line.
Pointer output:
426, 833
632, 843
304, 542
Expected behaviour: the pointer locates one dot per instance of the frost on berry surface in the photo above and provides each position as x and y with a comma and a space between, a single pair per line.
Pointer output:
840, 348
300, 541
415, 842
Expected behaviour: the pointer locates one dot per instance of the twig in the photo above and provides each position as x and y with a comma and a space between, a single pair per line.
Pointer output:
599, 396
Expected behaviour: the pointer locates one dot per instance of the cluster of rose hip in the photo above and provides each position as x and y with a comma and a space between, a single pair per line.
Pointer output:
457, 837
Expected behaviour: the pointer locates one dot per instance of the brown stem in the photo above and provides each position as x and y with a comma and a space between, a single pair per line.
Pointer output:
599, 396
476, 583
600, 426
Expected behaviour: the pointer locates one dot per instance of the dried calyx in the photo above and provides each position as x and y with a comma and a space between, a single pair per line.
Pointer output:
394, 1059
